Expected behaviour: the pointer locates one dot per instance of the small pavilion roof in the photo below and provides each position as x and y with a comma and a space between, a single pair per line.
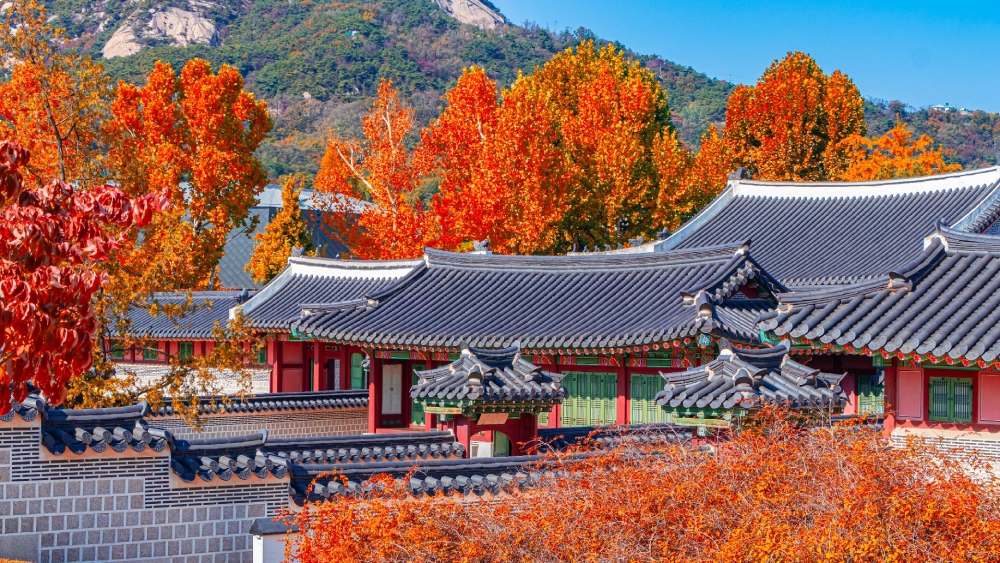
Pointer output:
555, 302
875, 224
751, 379
944, 303
489, 375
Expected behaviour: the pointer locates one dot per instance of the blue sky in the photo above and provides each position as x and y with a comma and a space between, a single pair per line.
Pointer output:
921, 53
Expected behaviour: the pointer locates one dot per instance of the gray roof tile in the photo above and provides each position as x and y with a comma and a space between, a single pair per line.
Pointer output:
580, 302
840, 232
750, 379
945, 303
487, 376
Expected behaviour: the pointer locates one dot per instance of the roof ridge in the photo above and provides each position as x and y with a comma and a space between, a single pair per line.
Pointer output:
893, 187
586, 262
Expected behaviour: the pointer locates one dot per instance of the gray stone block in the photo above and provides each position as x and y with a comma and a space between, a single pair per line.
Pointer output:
103, 552
62, 539
131, 551
11, 525
29, 490
4, 457
95, 504
72, 521
89, 553
42, 524
103, 488
19, 507
132, 518
73, 554
119, 486
57, 556
135, 485
59, 489
87, 521
5, 507
44, 490
27, 524
24, 547
118, 552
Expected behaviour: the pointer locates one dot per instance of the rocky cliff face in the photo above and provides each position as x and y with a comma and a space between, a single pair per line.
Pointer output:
172, 25
472, 12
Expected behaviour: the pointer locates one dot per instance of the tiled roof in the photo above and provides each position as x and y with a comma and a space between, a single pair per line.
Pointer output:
492, 301
268, 402
559, 439
224, 458
27, 410
370, 448
240, 243
209, 308
875, 225
475, 476
944, 303
80, 431
315, 280
749, 379
489, 375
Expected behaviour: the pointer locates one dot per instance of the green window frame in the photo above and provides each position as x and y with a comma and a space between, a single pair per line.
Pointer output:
643, 390
543, 418
185, 350
501, 445
261, 358
950, 399
416, 408
871, 395
117, 354
591, 398
151, 352
357, 371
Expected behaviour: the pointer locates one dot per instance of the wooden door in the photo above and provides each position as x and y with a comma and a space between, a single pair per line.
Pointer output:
392, 389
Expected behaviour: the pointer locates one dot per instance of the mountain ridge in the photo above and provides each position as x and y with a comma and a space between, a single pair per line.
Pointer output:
318, 63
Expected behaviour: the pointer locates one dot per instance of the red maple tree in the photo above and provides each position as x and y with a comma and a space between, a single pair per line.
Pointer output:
51, 239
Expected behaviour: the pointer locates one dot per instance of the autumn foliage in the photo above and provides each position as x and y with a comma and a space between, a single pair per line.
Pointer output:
52, 240
283, 234
372, 185
776, 493
894, 155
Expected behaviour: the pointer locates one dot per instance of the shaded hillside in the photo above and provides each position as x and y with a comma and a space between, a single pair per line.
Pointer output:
972, 136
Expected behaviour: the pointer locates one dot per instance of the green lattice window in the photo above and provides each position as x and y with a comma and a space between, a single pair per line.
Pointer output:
262, 356
151, 352
543, 419
417, 409
591, 398
357, 371
185, 350
643, 394
951, 399
117, 354
871, 395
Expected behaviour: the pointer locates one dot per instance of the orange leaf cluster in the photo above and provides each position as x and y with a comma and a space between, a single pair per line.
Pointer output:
791, 124
780, 493
52, 101
894, 155
372, 186
286, 232
197, 131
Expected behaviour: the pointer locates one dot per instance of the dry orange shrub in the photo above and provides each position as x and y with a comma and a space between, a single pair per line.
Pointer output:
784, 494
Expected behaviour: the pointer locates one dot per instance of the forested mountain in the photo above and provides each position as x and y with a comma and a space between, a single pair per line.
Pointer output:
318, 63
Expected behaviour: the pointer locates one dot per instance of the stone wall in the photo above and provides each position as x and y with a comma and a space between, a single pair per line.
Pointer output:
111, 507
131, 506
958, 442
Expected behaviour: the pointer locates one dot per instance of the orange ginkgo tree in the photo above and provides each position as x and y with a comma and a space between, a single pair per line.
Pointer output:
283, 234
370, 188
776, 492
52, 100
894, 155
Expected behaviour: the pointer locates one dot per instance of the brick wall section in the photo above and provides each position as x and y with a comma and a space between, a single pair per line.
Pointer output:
281, 424
988, 449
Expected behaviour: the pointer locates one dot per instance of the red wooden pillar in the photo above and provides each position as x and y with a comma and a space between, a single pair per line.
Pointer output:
374, 392
276, 369
621, 405
345, 368
317, 374
461, 426
889, 395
